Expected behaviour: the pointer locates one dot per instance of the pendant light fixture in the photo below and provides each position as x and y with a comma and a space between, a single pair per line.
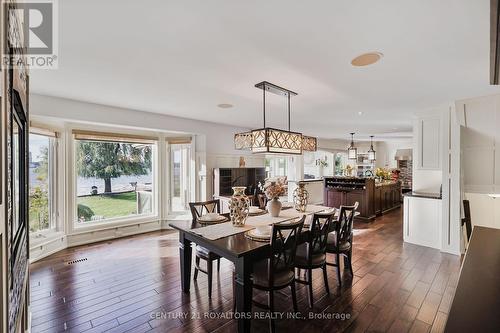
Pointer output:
371, 152
272, 140
352, 152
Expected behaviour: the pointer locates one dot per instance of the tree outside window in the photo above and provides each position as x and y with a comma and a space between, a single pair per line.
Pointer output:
114, 179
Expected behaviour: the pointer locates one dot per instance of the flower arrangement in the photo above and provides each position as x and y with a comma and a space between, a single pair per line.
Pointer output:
383, 173
273, 189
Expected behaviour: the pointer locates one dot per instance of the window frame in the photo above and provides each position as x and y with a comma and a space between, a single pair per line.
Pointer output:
53, 183
120, 221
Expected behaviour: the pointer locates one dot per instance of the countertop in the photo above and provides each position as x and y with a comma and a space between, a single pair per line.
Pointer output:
386, 183
423, 195
476, 304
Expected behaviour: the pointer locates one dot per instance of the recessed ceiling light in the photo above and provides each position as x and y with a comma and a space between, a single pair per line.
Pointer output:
367, 59
360, 113
225, 105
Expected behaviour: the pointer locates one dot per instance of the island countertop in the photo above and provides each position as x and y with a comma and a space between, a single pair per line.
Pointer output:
424, 195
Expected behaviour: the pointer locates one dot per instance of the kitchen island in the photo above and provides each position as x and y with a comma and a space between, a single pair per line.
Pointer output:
374, 198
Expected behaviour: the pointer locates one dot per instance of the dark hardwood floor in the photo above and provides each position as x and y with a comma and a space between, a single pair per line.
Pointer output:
133, 285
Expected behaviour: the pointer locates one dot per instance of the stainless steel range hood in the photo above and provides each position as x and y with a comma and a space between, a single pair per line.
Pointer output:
404, 155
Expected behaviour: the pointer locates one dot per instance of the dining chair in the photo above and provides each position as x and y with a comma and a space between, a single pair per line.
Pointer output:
467, 219
261, 200
339, 242
277, 272
312, 254
197, 210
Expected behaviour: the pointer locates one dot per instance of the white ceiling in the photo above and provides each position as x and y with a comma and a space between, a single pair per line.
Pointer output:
185, 57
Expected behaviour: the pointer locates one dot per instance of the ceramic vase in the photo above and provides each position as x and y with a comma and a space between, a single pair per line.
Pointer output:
238, 206
274, 207
300, 197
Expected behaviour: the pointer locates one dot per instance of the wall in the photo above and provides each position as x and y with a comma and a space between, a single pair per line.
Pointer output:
480, 137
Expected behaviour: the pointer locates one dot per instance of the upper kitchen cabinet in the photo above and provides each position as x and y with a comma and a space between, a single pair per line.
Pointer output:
429, 142
480, 134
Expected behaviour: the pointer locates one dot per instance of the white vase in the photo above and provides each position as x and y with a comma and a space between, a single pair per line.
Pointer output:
238, 206
274, 207
300, 197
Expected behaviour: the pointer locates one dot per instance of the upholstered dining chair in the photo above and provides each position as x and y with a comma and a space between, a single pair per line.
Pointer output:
197, 210
339, 242
277, 272
312, 254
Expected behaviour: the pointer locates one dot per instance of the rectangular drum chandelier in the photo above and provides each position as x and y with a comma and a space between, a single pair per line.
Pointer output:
273, 140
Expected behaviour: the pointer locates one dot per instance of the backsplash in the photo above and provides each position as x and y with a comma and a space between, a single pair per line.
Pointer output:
406, 168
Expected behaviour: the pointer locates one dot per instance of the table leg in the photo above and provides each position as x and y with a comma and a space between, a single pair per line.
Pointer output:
185, 259
243, 293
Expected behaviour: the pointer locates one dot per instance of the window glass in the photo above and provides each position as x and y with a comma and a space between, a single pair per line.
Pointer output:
276, 166
113, 179
41, 157
318, 164
340, 163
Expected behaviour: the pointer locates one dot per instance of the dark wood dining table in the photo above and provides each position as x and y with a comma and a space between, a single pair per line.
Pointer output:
238, 249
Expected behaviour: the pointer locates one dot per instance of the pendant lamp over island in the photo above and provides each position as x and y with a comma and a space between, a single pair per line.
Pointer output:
352, 152
273, 140
371, 152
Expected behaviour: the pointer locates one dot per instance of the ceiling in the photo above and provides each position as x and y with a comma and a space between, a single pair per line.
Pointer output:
184, 57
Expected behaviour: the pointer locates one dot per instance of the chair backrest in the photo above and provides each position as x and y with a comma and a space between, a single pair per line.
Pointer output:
203, 207
318, 234
467, 219
262, 199
283, 246
344, 225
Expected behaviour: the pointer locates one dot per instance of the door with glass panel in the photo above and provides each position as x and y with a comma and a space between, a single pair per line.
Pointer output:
180, 178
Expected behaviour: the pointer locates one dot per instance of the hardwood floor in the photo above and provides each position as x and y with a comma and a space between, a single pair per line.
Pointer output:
133, 285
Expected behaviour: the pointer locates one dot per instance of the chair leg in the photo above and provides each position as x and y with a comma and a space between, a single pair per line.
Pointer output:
218, 265
271, 309
310, 285
350, 262
325, 277
294, 297
197, 264
209, 273
338, 269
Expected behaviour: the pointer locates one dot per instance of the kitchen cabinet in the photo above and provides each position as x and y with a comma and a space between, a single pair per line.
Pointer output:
374, 199
422, 221
429, 134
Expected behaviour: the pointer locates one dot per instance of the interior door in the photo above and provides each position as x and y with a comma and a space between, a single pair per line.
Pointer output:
180, 178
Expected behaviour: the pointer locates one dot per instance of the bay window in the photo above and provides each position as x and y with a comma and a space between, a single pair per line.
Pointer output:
114, 176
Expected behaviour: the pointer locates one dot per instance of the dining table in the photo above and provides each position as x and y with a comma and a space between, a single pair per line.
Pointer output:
230, 242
